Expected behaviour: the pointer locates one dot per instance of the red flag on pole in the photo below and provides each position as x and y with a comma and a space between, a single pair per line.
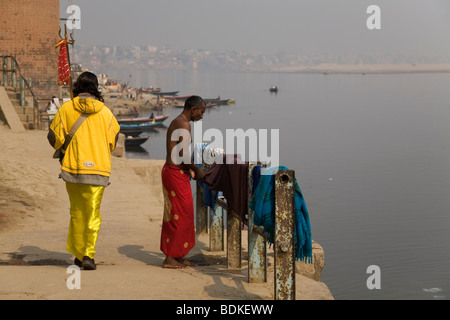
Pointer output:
63, 63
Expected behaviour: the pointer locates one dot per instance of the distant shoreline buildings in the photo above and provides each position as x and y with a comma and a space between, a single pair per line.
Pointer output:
103, 58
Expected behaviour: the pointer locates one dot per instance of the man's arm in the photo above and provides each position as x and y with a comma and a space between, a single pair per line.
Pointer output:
51, 138
196, 172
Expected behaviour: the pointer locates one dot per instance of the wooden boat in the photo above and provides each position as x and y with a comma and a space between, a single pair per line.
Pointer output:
150, 90
217, 101
152, 118
131, 141
136, 129
165, 93
208, 105
181, 98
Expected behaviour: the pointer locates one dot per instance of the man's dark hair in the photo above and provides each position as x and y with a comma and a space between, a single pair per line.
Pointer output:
193, 101
87, 82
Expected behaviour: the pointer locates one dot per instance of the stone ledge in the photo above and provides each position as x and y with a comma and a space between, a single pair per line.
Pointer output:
314, 270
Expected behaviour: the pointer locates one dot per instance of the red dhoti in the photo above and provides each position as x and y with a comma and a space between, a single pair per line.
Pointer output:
178, 231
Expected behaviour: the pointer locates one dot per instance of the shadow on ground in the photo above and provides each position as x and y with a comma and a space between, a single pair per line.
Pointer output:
228, 284
35, 256
136, 252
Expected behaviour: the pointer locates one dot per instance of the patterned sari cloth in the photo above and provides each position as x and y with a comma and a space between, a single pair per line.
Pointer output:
178, 231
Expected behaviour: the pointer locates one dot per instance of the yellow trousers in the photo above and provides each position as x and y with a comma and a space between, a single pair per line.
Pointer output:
85, 218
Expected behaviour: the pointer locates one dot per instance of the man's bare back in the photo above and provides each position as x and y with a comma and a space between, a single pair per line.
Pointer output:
179, 138
180, 122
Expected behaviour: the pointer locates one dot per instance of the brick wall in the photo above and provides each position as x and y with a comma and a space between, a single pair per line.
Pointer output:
29, 30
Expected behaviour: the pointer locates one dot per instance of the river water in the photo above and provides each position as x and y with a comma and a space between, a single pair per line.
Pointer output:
371, 154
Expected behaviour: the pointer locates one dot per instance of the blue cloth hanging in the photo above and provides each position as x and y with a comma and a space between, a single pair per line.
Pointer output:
209, 196
263, 205
256, 175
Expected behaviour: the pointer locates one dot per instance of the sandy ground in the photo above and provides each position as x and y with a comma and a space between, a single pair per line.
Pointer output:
34, 219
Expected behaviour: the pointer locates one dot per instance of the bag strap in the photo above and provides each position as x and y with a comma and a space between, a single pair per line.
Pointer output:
74, 129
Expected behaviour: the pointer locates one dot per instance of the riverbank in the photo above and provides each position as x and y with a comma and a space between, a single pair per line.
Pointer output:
33, 228
330, 68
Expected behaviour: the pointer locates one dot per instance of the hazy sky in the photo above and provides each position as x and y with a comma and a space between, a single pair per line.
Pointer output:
297, 26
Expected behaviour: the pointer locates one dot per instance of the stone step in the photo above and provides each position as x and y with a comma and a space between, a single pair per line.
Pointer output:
9, 113
15, 102
13, 94
26, 118
25, 114
23, 110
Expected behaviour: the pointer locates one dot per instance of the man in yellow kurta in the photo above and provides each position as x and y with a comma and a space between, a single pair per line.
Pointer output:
86, 166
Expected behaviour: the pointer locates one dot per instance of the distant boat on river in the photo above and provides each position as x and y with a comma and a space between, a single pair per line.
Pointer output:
273, 89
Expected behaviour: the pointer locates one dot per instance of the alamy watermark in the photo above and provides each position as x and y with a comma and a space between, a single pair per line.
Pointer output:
74, 280
74, 20
374, 20
252, 145
374, 281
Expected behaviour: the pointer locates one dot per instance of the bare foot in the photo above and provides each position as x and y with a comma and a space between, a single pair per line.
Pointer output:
172, 263
186, 262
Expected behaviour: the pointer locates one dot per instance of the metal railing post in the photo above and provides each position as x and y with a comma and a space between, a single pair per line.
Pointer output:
234, 241
216, 229
201, 219
284, 245
284, 237
22, 92
257, 247
13, 74
5, 71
